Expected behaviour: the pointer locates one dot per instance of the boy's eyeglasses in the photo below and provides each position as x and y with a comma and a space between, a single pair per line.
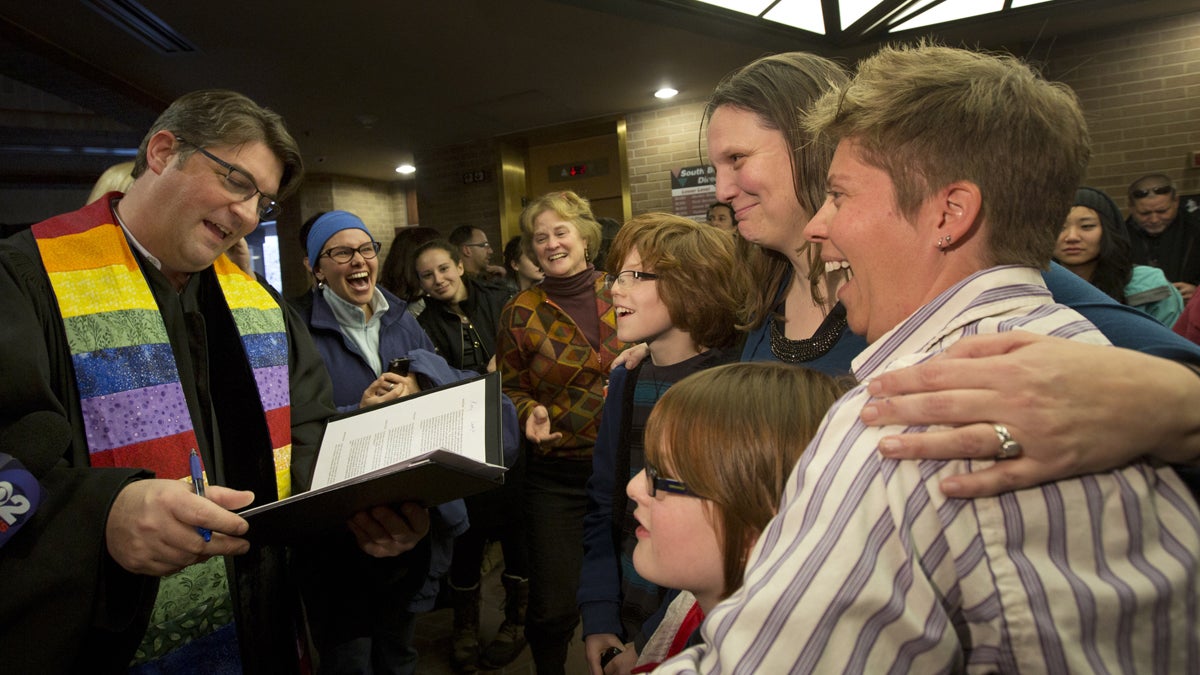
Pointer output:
656, 482
625, 278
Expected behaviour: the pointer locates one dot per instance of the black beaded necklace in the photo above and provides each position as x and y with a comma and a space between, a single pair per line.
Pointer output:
801, 351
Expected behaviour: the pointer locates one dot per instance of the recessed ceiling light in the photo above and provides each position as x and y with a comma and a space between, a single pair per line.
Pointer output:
666, 92
406, 169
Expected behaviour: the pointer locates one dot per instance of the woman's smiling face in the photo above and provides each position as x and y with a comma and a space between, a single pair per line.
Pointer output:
560, 250
440, 276
754, 176
352, 281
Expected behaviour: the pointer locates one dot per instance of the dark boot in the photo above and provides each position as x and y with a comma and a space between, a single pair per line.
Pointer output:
464, 647
510, 638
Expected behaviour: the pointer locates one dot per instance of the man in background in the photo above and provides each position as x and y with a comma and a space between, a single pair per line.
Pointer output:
475, 253
1163, 235
720, 215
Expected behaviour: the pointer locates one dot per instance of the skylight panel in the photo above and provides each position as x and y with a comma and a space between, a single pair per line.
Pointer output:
802, 14
751, 7
950, 10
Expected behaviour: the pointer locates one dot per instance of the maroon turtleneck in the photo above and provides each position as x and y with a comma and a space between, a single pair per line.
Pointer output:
576, 295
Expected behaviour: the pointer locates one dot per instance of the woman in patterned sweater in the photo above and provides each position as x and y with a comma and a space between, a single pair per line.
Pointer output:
555, 346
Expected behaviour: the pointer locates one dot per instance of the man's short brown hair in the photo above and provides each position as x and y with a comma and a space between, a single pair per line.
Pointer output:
223, 117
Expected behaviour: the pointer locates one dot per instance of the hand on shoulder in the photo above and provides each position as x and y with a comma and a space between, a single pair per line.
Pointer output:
1074, 408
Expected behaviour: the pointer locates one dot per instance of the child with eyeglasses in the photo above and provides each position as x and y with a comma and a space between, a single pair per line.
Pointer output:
720, 446
674, 287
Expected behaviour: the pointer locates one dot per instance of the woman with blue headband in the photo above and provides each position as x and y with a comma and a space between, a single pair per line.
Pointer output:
361, 608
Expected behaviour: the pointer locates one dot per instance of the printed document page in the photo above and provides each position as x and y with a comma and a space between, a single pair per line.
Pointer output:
451, 419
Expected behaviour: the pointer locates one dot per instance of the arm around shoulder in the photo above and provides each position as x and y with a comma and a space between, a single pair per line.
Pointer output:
1075, 408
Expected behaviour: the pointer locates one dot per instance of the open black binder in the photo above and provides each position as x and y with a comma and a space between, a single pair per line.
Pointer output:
432, 447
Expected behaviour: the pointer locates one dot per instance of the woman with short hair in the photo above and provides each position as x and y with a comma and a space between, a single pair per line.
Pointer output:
555, 346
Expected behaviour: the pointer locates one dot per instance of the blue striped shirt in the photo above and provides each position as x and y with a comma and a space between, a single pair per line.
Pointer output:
869, 568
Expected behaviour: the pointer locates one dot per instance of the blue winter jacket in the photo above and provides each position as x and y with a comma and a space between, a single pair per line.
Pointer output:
401, 335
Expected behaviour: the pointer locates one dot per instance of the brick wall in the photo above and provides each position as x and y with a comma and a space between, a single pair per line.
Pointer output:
380, 204
657, 141
446, 201
1140, 89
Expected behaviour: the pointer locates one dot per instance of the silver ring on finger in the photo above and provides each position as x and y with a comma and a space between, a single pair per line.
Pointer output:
1009, 448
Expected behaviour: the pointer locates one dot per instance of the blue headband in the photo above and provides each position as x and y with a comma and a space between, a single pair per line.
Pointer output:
329, 224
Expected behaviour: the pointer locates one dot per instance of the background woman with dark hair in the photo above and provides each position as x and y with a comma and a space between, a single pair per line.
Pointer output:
1094, 244
461, 315
397, 274
523, 270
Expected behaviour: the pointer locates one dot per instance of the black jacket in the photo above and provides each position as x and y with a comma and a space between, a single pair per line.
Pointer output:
482, 307
1176, 251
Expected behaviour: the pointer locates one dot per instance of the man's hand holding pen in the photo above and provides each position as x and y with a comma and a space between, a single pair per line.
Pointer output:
152, 525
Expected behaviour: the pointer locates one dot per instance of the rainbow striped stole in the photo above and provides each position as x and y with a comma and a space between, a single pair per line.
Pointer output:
134, 410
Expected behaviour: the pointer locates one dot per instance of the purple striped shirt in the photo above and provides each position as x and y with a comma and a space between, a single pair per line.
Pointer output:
869, 568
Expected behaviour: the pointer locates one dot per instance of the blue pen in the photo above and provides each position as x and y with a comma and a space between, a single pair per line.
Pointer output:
198, 484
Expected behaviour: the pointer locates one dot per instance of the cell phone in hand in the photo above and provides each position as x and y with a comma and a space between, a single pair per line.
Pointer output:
608, 655
399, 366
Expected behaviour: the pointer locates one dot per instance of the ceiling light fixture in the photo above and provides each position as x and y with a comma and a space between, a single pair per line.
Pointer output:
406, 169
666, 92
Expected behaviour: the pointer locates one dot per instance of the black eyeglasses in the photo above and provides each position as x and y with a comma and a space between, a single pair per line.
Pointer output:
480, 245
656, 482
626, 277
1160, 190
239, 184
344, 254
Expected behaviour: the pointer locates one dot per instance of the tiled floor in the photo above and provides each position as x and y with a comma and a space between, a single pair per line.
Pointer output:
435, 628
